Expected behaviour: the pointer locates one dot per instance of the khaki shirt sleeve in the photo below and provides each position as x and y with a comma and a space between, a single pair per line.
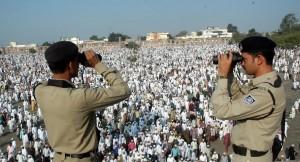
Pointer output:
255, 103
236, 89
101, 97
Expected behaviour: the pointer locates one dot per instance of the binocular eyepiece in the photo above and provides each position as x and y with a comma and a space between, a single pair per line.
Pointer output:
83, 61
236, 57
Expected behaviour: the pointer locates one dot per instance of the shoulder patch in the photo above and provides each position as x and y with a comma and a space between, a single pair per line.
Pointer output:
249, 100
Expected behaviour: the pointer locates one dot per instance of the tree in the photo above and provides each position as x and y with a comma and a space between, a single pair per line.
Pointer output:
182, 33
287, 40
46, 44
94, 37
252, 32
237, 37
288, 35
32, 50
116, 37
288, 22
232, 29
199, 33
0, 52
143, 38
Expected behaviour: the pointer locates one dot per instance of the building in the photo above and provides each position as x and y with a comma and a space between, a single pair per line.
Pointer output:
155, 36
210, 32
192, 35
74, 40
15, 45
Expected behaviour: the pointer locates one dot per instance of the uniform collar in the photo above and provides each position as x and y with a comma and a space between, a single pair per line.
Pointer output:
268, 77
60, 83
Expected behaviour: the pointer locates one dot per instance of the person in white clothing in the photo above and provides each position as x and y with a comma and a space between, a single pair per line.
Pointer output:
46, 153
30, 159
24, 151
1, 130
20, 157
203, 157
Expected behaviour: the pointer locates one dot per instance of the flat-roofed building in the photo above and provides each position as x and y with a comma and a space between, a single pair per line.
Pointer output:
210, 32
156, 36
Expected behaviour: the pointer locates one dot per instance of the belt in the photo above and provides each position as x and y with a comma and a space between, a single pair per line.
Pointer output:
77, 156
240, 150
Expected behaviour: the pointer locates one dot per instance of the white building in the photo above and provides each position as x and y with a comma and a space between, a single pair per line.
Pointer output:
192, 35
155, 36
15, 45
210, 32
74, 40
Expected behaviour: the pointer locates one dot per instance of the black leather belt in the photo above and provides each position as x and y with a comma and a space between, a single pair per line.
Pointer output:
240, 150
78, 156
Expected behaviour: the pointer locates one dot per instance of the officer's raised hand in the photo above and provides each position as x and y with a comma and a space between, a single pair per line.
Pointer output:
91, 57
224, 64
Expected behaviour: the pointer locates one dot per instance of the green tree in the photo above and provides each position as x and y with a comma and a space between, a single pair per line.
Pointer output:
0, 52
94, 37
287, 40
46, 44
232, 29
199, 33
289, 32
252, 32
143, 38
182, 33
288, 22
115, 37
32, 50
237, 37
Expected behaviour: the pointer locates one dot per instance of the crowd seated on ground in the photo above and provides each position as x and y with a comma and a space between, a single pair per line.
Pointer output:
168, 117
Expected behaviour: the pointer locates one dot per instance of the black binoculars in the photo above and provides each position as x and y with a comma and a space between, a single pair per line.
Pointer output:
83, 61
236, 57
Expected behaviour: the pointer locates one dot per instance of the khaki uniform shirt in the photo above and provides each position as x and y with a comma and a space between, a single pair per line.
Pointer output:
69, 113
245, 103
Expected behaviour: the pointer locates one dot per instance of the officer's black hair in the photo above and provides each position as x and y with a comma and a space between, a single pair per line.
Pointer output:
59, 67
268, 55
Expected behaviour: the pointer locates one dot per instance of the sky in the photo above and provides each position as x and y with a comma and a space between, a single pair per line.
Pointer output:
38, 21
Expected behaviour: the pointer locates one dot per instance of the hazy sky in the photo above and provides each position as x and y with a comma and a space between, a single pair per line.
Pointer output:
27, 21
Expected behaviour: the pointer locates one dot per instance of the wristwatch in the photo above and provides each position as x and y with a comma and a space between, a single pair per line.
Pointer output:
222, 77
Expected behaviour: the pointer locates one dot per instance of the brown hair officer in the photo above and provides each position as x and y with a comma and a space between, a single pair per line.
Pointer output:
69, 112
256, 108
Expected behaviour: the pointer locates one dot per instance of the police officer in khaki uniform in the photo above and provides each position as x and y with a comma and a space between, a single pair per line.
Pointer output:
69, 112
257, 108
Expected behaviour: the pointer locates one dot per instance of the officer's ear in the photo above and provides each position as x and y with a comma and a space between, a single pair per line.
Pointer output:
72, 64
260, 59
69, 66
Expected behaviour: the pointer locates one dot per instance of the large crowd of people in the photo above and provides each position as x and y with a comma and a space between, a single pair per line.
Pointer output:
167, 118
